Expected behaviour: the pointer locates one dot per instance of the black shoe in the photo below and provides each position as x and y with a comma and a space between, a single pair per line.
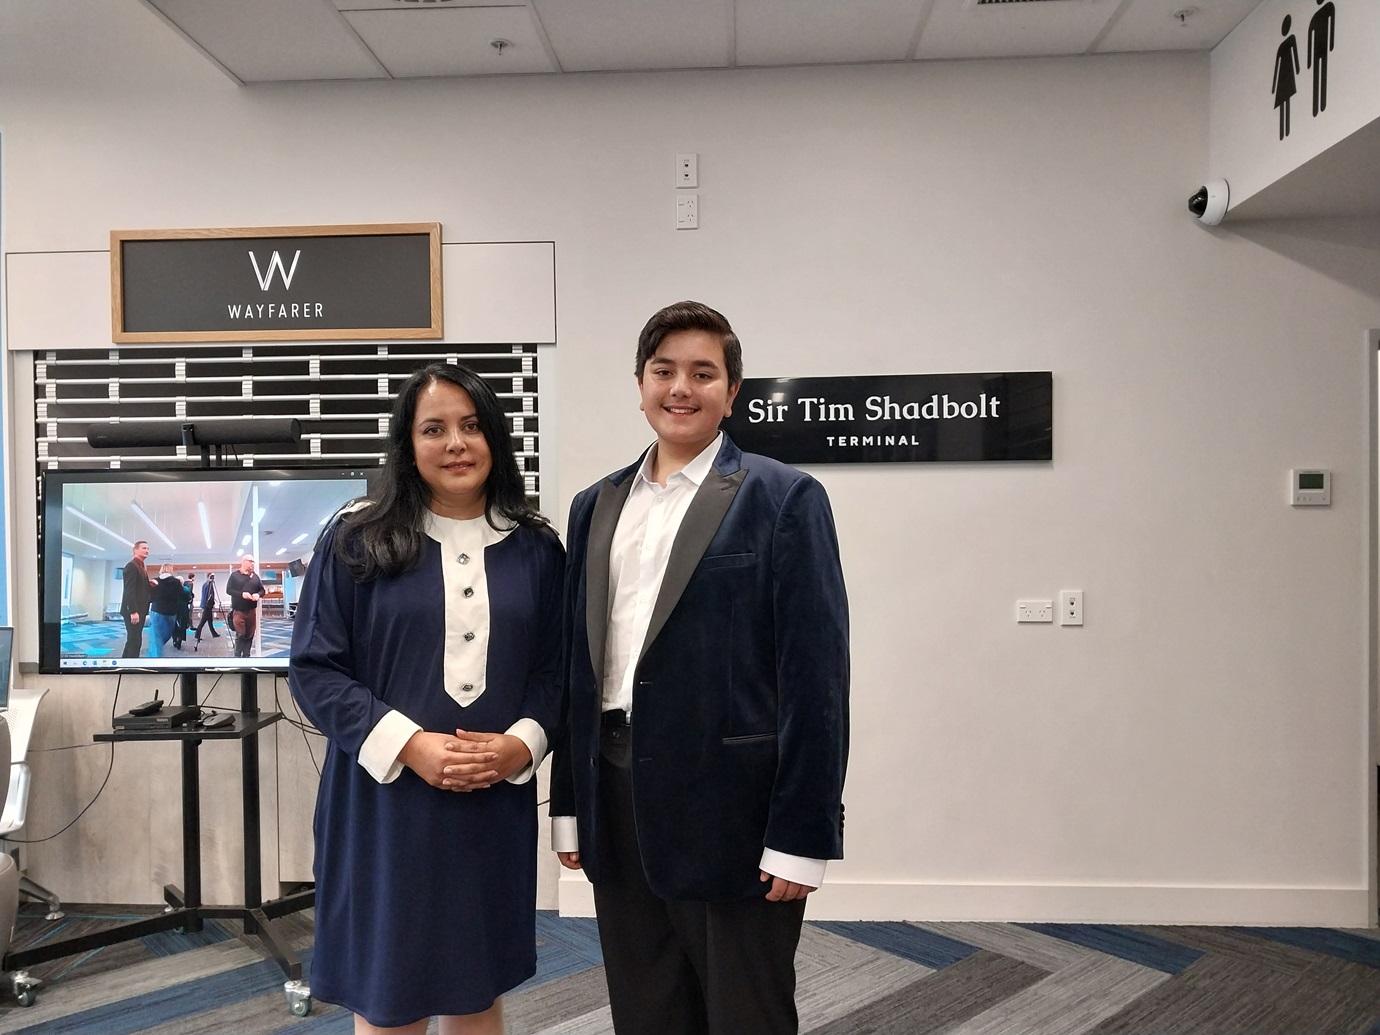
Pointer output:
215, 634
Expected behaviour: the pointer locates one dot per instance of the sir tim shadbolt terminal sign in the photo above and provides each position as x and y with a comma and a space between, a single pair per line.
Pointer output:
896, 418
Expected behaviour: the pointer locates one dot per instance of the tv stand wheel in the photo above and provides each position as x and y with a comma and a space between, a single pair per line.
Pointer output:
298, 996
25, 987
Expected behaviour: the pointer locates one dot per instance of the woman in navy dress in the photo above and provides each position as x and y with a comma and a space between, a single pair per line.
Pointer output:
426, 648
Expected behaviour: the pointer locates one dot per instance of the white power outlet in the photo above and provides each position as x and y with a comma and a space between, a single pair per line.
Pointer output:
687, 211
1034, 610
1071, 607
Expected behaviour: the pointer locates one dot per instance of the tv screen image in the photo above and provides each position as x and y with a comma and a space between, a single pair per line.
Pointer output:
199, 522
6, 663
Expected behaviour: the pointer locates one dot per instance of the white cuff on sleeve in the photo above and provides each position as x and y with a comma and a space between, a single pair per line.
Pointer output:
528, 731
565, 835
379, 752
797, 868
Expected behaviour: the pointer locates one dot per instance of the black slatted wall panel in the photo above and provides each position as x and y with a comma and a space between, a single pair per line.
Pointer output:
342, 394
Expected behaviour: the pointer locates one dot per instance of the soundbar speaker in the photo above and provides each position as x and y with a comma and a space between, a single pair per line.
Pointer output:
247, 432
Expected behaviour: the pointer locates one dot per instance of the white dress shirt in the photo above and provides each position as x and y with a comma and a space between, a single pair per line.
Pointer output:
641, 546
465, 665
642, 541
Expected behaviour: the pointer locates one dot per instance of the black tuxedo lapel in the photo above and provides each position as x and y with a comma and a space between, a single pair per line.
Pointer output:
607, 509
702, 520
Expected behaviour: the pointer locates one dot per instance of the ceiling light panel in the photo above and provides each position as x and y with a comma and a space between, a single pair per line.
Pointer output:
273, 40
791, 32
1152, 25
393, 5
416, 40
614, 35
963, 29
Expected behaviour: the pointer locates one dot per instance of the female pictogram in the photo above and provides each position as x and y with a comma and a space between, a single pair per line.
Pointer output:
1286, 73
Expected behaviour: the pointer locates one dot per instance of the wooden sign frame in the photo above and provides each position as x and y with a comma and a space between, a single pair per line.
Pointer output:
121, 334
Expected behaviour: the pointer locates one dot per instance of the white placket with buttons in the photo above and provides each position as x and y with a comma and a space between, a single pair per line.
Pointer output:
466, 602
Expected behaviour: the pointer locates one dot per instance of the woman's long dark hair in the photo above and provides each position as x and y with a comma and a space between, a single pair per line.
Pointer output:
388, 536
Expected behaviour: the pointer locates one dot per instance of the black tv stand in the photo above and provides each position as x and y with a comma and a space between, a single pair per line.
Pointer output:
185, 910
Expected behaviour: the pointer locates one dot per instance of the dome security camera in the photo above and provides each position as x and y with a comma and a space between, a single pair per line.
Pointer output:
1210, 203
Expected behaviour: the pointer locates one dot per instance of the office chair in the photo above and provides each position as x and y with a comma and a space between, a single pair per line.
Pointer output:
21, 982
9, 869
23, 709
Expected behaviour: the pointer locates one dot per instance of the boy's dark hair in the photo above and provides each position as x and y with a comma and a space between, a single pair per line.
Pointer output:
690, 316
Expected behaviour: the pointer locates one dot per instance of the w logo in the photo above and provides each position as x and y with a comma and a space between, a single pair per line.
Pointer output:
275, 263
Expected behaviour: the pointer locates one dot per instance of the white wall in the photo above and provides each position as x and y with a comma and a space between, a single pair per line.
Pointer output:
1199, 750
91, 586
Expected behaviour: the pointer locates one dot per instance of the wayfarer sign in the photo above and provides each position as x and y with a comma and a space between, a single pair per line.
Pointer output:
276, 283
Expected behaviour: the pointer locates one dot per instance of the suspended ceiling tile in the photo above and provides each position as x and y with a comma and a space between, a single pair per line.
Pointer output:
1035, 28
273, 40
800, 32
436, 40
1152, 25
615, 35
401, 5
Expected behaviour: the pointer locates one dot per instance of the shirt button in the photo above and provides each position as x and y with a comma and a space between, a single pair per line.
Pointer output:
469, 637
467, 688
469, 591
464, 558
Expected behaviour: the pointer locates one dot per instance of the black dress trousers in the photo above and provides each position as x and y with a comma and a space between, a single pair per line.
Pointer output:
678, 967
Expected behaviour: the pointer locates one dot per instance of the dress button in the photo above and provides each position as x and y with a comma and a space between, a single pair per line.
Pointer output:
469, 637
464, 558
467, 688
469, 591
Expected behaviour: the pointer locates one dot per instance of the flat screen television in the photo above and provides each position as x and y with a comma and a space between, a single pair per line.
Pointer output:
6, 664
200, 522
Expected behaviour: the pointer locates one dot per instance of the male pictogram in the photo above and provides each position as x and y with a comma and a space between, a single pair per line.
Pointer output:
1322, 32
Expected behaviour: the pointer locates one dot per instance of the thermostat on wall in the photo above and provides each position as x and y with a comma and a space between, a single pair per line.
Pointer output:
1310, 487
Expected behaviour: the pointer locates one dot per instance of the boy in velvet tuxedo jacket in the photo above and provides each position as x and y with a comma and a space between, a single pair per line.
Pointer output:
700, 779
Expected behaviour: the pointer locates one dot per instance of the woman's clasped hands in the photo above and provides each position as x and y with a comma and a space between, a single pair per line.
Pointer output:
466, 760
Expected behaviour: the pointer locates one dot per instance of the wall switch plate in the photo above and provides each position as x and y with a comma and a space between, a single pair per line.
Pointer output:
687, 211
1071, 607
1034, 610
687, 170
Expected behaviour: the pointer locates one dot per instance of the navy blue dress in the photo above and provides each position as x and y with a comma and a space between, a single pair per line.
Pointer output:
425, 898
